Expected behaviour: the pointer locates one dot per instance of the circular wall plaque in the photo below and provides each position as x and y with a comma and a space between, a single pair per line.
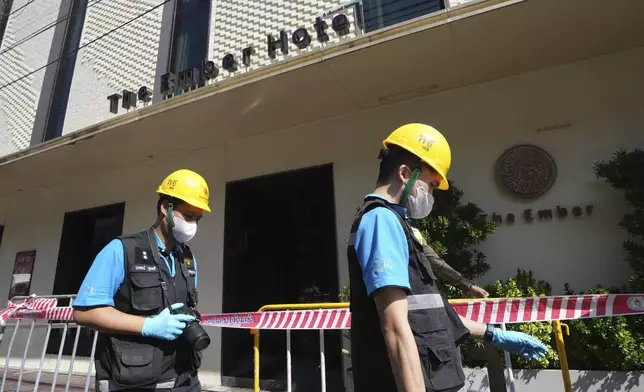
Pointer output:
526, 171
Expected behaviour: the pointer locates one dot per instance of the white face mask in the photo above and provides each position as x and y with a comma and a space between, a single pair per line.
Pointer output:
420, 206
183, 231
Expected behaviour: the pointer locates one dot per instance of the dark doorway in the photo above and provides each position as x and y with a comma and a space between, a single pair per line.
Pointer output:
280, 247
85, 233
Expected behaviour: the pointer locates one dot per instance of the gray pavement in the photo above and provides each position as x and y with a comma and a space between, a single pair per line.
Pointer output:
77, 383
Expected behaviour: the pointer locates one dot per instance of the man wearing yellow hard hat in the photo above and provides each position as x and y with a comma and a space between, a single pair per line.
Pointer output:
141, 295
401, 326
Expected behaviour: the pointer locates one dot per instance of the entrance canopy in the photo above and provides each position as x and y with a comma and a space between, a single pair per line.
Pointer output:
475, 43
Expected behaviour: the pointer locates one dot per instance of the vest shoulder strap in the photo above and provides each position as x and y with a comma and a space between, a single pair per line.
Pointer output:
374, 202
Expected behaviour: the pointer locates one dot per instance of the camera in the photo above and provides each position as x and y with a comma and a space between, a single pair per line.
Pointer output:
194, 334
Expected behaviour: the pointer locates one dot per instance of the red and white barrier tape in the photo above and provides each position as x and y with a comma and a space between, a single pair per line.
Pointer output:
32, 303
497, 311
522, 310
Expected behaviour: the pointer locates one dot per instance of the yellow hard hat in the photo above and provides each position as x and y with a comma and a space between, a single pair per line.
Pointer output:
427, 144
188, 186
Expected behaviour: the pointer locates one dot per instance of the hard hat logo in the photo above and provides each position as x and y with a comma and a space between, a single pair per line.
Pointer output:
427, 144
425, 141
188, 186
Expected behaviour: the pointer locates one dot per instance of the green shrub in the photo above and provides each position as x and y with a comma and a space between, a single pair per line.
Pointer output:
625, 172
345, 294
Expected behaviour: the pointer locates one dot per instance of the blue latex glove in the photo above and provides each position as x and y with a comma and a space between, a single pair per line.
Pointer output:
519, 343
165, 325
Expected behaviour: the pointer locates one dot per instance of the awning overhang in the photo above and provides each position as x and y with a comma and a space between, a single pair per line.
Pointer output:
478, 42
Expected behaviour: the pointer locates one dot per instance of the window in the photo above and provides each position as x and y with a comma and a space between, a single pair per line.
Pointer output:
65, 69
384, 13
190, 35
5, 10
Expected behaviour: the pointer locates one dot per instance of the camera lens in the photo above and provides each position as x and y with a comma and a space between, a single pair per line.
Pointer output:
196, 336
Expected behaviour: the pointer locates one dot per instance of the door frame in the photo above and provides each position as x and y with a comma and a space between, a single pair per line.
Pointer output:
265, 383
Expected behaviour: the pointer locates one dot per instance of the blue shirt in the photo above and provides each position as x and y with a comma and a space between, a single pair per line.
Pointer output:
107, 273
382, 249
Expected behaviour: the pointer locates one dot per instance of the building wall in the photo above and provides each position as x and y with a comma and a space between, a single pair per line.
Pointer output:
126, 59
599, 99
19, 101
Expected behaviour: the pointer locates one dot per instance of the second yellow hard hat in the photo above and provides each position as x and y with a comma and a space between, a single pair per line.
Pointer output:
427, 144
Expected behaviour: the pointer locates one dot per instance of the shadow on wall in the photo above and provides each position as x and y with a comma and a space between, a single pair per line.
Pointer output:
582, 380
612, 382
477, 380
528, 376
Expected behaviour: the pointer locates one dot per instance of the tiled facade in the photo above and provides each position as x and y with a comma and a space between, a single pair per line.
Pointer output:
129, 58
238, 24
24, 49
123, 60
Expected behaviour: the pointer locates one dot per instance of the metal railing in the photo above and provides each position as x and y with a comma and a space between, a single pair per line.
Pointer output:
48, 325
255, 333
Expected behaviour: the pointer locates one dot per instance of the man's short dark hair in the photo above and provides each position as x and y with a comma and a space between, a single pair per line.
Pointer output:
392, 158
169, 199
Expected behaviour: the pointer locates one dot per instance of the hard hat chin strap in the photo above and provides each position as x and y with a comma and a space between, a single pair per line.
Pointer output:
408, 187
169, 218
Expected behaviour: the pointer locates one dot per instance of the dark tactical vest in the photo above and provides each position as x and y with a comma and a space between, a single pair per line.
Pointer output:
133, 361
437, 329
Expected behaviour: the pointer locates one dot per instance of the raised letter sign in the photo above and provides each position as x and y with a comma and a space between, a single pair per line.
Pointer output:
320, 27
545, 214
210, 70
576, 211
246, 53
144, 94
562, 212
129, 99
168, 84
188, 79
282, 43
496, 218
301, 38
340, 24
527, 214
229, 63
114, 103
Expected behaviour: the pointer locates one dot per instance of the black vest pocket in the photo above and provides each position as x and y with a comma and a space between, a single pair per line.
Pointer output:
146, 292
424, 321
136, 364
442, 370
